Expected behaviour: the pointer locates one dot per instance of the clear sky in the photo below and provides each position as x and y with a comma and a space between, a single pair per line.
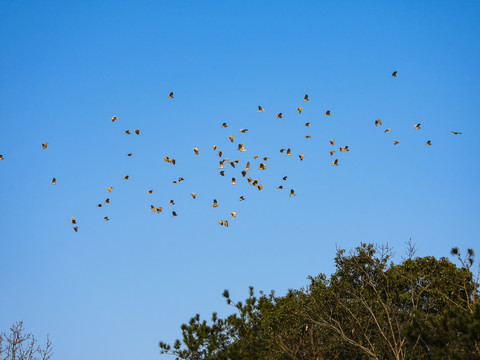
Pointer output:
114, 289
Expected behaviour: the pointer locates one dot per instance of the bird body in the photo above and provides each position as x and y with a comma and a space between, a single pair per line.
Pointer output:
260, 109
44, 145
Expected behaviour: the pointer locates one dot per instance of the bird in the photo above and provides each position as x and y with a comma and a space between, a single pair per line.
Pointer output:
75, 228
129, 154
279, 116
99, 205
220, 153
248, 166
127, 132
224, 125
328, 113
396, 142
262, 166
171, 202
299, 109
137, 132
170, 96
110, 188
285, 178
306, 98
231, 138
282, 150
249, 180
378, 122
126, 177
417, 126
344, 148
280, 187
234, 214
335, 162
255, 182
289, 152
195, 150
332, 152
54, 181
260, 109
214, 147
429, 142
107, 200
215, 203
1, 157
244, 131
73, 220
150, 191
44, 145
255, 156
194, 195
152, 208
223, 223
244, 173
159, 210
106, 218
332, 142
222, 173
114, 118
174, 213
180, 179
308, 137
394, 74
232, 164
456, 133
307, 124
387, 130
241, 147
301, 156
259, 187
233, 182
265, 158
221, 165
292, 193
241, 198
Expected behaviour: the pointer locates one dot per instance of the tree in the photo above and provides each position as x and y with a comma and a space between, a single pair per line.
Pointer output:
369, 308
18, 345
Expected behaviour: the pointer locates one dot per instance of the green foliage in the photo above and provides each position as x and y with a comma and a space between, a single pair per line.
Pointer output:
369, 308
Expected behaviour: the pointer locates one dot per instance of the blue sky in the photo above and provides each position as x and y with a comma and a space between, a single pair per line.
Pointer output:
116, 288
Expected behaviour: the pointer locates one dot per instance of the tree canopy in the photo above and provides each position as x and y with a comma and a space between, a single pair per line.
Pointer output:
369, 308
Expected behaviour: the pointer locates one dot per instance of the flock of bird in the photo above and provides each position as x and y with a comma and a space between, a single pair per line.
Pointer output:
225, 161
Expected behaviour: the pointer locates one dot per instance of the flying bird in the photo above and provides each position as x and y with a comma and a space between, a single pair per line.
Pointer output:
387, 130
378, 122
214, 147
241, 198
262, 166
195, 150
99, 205
224, 125
244, 173
220, 153
75, 228
222, 173
260, 109
114, 118
159, 210
232, 164
344, 148
299, 109
107, 200
194, 195
110, 189
44, 145
289, 152
170, 96
280, 187
152, 208
248, 166
429, 142
174, 213
54, 181
292, 193
308, 137
255, 156
150, 191
306, 98
301, 156
234, 214
233, 182
215, 203
137, 132
335, 162
231, 138
328, 113
241, 147
307, 124
265, 158
332, 152
1, 157
332, 142
456, 133
223, 223
106, 218
129, 154
171, 202
127, 132
279, 116
244, 131
260, 187
285, 178
126, 177
417, 126
73, 220
396, 142
394, 74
